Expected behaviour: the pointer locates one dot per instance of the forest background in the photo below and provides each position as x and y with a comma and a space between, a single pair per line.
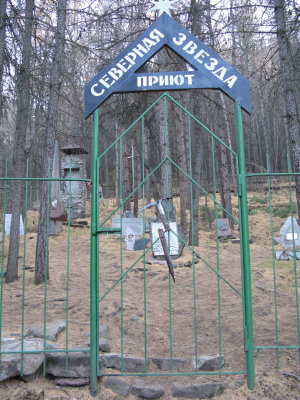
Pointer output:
50, 49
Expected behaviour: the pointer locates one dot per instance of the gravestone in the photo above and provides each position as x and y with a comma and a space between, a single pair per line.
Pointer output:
141, 244
171, 239
289, 238
223, 227
7, 224
135, 224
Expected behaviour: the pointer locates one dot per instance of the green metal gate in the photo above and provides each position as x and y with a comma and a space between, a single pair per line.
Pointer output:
204, 311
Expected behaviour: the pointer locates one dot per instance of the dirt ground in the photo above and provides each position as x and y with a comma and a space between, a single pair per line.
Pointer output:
148, 305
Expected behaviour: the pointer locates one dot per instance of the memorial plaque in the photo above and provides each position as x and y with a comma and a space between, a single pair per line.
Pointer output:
170, 238
130, 239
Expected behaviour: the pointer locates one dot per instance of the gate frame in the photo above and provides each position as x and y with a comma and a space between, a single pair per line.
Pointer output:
244, 249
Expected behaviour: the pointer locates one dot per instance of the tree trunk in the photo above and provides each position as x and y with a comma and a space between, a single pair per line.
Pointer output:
19, 156
135, 175
196, 16
183, 181
164, 145
224, 170
126, 181
2, 49
55, 82
147, 164
228, 137
288, 81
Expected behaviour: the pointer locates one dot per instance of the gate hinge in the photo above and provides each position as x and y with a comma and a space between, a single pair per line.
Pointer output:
246, 339
247, 344
239, 185
94, 229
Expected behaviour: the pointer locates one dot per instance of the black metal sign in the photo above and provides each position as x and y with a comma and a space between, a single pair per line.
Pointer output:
210, 70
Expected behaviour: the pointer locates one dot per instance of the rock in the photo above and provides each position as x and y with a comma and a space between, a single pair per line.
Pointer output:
143, 391
164, 363
211, 362
117, 385
56, 395
197, 390
130, 364
32, 377
73, 382
52, 330
78, 365
30, 394
11, 363
104, 339
135, 318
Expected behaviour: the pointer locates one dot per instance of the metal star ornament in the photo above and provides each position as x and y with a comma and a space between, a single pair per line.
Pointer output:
163, 6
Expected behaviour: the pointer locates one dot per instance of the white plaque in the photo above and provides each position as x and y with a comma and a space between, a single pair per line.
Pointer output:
130, 239
171, 239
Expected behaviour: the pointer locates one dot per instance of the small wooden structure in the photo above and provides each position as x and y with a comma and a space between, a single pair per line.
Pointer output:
73, 166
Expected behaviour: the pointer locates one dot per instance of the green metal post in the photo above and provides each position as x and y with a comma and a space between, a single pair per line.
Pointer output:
245, 252
94, 329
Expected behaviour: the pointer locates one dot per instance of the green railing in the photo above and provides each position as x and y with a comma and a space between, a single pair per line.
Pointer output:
22, 303
277, 201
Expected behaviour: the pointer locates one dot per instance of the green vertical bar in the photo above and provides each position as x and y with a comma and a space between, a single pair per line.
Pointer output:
94, 326
23, 269
68, 268
217, 251
273, 263
193, 246
46, 265
245, 250
144, 258
98, 257
2, 250
169, 193
295, 258
121, 255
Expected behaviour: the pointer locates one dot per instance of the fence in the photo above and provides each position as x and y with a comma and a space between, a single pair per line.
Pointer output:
275, 270
64, 298
38, 322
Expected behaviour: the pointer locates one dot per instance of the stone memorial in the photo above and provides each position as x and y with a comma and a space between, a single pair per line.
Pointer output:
135, 224
290, 239
73, 166
223, 226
